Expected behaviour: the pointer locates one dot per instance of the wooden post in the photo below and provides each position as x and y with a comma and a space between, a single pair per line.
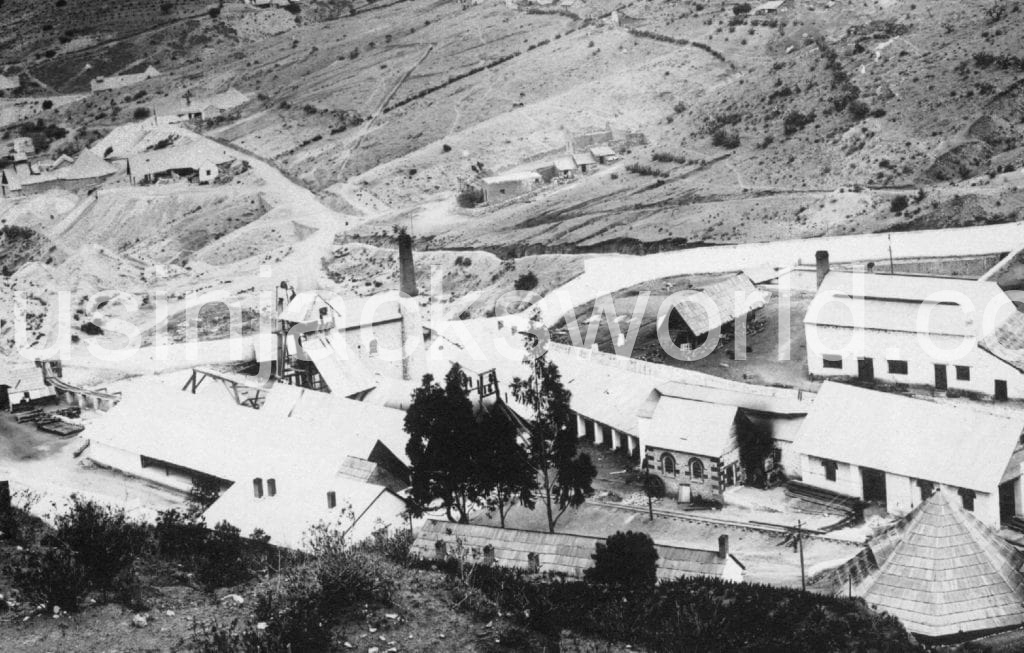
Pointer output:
800, 543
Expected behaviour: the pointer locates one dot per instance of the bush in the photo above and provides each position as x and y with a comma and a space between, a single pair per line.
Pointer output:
47, 105
141, 113
103, 539
625, 559
394, 545
214, 12
223, 561
51, 576
898, 203
795, 121
726, 138
179, 537
526, 281
859, 109
741, 8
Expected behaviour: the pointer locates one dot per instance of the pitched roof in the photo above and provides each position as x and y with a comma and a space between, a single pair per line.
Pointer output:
558, 552
565, 163
602, 150
693, 427
1007, 341
25, 378
733, 297
948, 574
776, 404
189, 156
912, 304
584, 159
86, 166
953, 445
340, 368
510, 177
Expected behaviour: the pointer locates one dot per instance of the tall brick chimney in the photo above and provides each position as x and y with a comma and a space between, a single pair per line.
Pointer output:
723, 546
406, 269
821, 262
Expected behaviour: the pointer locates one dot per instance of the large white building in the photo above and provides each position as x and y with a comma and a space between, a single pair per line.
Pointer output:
895, 451
948, 334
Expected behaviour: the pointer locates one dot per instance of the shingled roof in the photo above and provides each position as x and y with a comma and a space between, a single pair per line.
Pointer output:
733, 297
1007, 342
948, 574
557, 552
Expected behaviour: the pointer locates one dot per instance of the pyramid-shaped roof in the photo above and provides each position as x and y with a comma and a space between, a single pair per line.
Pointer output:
948, 573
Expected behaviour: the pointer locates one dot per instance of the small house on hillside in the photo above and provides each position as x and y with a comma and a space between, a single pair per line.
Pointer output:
716, 306
565, 167
85, 173
604, 154
202, 107
584, 161
693, 447
503, 187
198, 160
114, 82
560, 552
945, 574
894, 451
772, 7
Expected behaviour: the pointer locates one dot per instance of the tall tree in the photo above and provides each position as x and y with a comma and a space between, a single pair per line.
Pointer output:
505, 463
565, 475
443, 448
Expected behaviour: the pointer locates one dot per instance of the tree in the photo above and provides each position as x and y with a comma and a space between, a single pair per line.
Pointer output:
443, 448
565, 474
626, 559
505, 464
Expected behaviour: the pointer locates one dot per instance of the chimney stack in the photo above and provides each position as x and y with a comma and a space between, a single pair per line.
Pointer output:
723, 546
871, 267
821, 262
406, 270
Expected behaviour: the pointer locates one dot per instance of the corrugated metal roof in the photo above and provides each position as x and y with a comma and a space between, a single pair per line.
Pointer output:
953, 445
948, 574
693, 427
911, 304
340, 368
558, 552
26, 378
732, 298
584, 159
1007, 342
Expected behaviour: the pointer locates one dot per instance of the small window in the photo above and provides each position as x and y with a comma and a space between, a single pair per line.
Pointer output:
373, 347
533, 562
832, 363
271, 487
967, 498
440, 550
830, 469
332, 499
668, 463
257, 488
963, 373
927, 488
696, 468
489, 554
897, 367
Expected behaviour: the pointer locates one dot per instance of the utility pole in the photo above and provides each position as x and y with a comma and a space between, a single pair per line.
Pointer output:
800, 544
892, 269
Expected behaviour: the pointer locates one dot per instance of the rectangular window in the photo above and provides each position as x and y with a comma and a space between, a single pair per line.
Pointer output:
830, 469
967, 498
963, 373
897, 367
832, 363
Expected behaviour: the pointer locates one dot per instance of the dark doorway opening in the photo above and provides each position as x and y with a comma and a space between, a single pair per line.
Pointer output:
1001, 394
874, 484
941, 382
1007, 501
865, 369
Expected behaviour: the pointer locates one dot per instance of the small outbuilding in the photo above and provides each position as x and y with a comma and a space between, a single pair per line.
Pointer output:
604, 154
584, 161
565, 167
503, 187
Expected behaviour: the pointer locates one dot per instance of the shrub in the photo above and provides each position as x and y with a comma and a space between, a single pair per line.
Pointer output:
141, 113
394, 545
726, 138
795, 121
741, 8
204, 492
646, 171
625, 559
51, 576
858, 109
898, 203
214, 12
103, 539
165, 7
178, 536
526, 281
223, 561
47, 105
